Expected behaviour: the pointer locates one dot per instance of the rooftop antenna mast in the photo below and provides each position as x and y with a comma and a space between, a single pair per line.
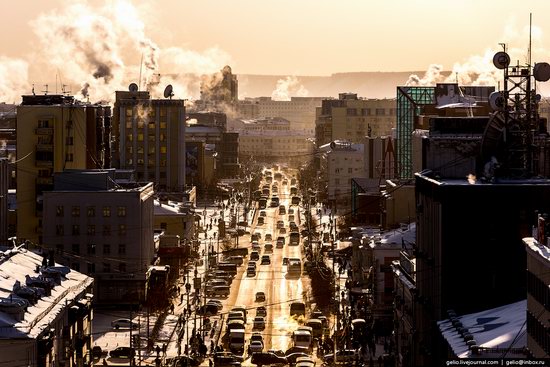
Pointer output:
45, 91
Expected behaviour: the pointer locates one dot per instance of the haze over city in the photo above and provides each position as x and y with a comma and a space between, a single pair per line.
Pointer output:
71, 41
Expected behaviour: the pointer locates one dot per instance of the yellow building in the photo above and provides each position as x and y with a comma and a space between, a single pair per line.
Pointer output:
54, 133
351, 118
149, 137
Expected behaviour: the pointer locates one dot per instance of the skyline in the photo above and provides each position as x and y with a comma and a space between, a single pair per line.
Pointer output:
264, 38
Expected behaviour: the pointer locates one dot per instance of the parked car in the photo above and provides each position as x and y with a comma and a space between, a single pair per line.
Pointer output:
123, 352
260, 296
124, 323
264, 358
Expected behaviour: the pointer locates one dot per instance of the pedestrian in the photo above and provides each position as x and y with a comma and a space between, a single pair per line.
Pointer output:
104, 362
172, 308
210, 363
181, 300
164, 347
157, 349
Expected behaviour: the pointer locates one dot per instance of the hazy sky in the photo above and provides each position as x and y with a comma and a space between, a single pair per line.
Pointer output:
99, 46
313, 37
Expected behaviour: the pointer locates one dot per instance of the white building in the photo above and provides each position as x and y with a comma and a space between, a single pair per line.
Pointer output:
343, 161
45, 312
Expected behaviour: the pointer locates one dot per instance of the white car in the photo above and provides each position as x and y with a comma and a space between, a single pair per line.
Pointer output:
123, 323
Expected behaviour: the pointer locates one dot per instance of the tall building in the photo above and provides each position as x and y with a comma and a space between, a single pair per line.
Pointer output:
149, 137
46, 312
351, 118
102, 229
4, 184
54, 133
8, 138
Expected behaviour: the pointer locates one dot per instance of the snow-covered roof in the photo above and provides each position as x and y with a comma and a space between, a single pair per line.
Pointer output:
537, 247
496, 328
396, 237
38, 317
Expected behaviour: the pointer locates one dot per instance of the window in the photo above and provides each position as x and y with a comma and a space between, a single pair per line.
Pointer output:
129, 112
59, 211
91, 268
76, 230
107, 230
121, 211
76, 248
162, 150
163, 124
106, 249
106, 211
106, 267
59, 231
91, 230
122, 229
91, 211
380, 112
122, 267
140, 137
75, 211
91, 249
122, 249
59, 248
162, 137
350, 170
69, 157
128, 124
336, 181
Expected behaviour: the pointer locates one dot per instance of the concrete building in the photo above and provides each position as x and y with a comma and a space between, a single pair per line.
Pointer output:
269, 139
98, 227
54, 132
149, 138
351, 118
342, 162
538, 293
45, 313
4, 184
8, 138
175, 219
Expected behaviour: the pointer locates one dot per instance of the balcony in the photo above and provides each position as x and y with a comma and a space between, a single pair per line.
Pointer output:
44, 131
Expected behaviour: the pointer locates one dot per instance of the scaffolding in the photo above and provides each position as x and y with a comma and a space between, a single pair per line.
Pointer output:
409, 103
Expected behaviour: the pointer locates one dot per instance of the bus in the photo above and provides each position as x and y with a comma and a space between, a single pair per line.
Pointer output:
302, 338
229, 268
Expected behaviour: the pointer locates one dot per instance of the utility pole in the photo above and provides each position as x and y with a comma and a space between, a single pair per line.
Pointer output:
336, 286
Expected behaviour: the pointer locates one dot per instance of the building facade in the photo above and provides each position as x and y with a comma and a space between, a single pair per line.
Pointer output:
351, 118
45, 314
54, 132
149, 138
103, 230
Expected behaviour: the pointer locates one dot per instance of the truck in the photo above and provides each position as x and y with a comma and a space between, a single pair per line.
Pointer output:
236, 341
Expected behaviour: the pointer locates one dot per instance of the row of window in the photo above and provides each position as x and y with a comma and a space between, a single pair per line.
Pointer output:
91, 230
106, 267
538, 290
90, 211
538, 332
341, 170
91, 249
368, 111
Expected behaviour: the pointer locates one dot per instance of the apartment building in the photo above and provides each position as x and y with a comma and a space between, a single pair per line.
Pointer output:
351, 118
45, 312
54, 132
149, 137
102, 229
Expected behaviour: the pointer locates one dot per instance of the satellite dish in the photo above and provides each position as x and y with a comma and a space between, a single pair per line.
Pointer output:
133, 87
501, 60
541, 72
168, 91
497, 101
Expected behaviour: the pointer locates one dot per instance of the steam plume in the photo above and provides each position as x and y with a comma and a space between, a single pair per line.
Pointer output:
287, 87
13, 78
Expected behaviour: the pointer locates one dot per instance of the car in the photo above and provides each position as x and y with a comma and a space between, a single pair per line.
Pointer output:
258, 323
261, 311
263, 213
285, 182
266, 260
282, 230
251, 272
255, 346
264, 358
254, 256
260, 296
280, 224
261, 221
343, 355
296, 349
208, 309
277, 352
285, 261
268, 237
219, 291
123, 352
282, 239
226, 359
256, 336
236, 259
268, 247
291, 218
291, 358
215, 302
97, 352
290, 211
305, 361
185, 361
123, 323
256, 246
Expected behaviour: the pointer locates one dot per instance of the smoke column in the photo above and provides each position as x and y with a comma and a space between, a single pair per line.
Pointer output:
285, 88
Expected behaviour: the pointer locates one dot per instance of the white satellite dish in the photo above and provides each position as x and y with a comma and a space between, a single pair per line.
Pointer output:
541, 72
168, 91
501, 60
497, 101
133, 87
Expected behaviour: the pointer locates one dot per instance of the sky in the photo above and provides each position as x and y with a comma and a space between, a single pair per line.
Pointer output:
270, 37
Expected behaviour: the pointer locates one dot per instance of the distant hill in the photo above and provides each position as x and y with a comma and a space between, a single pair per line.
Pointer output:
365, 84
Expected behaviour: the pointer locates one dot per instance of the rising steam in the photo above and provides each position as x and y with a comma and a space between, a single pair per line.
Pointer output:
90, 47
288, 87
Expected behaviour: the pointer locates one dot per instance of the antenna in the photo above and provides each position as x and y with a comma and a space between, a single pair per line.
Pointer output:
46, 89
140, 67
168, 91
33, 90
530, 24
133, 87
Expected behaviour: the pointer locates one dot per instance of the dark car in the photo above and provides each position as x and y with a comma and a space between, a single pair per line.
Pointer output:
207, 310
123, 352
185, 361
97, 352
261, 359
291, 358
226, 359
